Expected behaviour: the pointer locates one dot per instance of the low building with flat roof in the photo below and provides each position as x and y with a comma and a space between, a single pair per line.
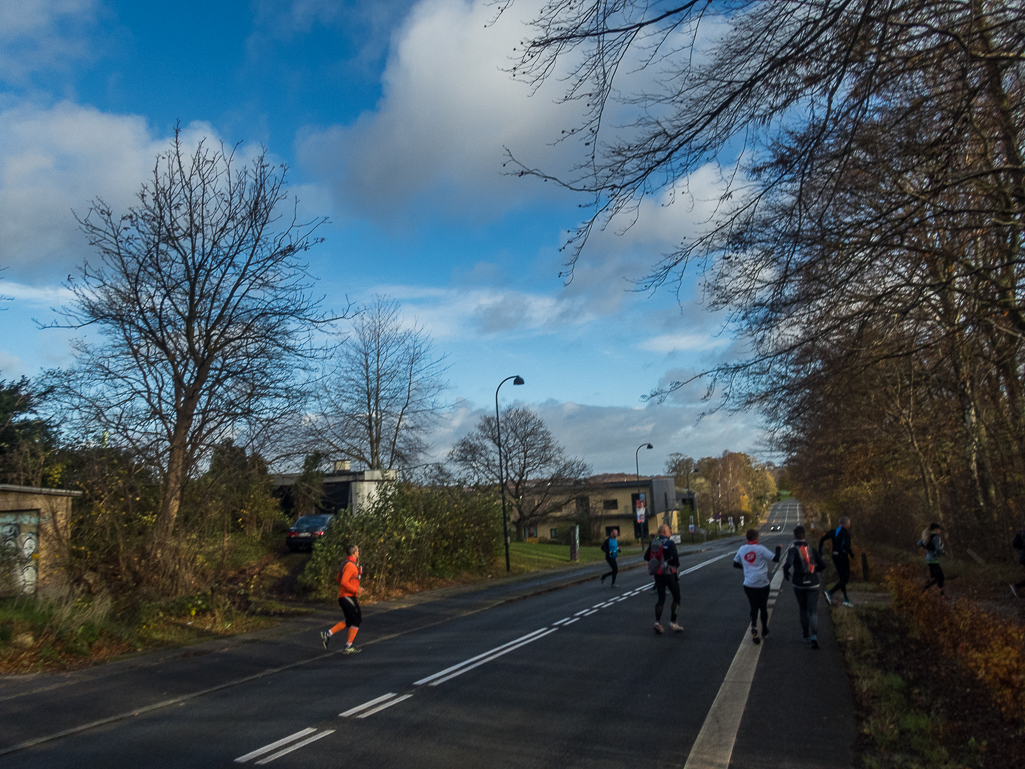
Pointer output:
343, 489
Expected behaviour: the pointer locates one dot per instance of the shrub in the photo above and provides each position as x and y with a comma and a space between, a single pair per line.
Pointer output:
991, 648
409, 535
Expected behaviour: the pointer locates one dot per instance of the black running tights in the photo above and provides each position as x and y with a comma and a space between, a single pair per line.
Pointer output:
758, 597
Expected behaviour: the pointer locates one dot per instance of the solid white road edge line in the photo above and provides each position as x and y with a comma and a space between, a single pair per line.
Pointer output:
273, 745
298, 745
474, 659
384, 705
365, 705
493, 657
713, 747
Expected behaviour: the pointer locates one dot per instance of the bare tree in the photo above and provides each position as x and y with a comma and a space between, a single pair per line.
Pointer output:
873, 203
205, 314
383, 391
681, 467
539, 477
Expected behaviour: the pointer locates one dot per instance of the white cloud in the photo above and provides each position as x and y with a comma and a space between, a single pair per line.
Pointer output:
11, 366
448, 108
56, 160
42, 34
41, 296
606, 436
683, 342
458, 313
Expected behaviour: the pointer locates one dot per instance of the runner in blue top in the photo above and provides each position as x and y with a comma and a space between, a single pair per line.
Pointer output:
611, 549
754, 559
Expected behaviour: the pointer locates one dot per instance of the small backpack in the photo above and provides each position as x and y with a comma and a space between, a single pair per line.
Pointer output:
806, 561
659, 558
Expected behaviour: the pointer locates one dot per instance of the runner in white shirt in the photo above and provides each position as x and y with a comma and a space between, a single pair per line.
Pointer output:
754, 560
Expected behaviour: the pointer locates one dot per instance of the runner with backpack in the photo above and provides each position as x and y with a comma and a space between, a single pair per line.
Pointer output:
932, 542
611, 549
754, 559
842, 555
664, 565
1018, 543
806, 565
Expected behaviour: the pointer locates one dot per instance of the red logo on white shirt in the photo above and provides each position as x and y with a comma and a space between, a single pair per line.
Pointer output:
750, 556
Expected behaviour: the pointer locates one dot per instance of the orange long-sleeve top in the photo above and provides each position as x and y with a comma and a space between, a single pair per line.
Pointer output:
348, 579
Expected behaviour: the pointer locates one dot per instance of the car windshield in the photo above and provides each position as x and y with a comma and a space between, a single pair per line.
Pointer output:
311, 522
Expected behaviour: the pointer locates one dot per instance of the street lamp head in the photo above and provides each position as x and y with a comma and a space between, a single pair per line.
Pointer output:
518, 381
649, 446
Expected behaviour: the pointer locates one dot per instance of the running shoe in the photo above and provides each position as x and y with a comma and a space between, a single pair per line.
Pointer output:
603, 579
754, 635
814, 642
829, 596
765, 632
1015, 591
325, 638
848, 604
658, 628
350, 650
676, 628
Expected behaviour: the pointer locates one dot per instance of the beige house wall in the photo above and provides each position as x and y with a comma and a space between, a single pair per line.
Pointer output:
34, 528
612, 508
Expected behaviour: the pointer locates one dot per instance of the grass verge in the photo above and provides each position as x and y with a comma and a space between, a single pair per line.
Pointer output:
917, 709
527, 557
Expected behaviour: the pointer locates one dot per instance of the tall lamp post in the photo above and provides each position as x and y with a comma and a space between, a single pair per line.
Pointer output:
637, 468
516, 380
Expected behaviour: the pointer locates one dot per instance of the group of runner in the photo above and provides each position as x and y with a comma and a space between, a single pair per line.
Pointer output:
802, 564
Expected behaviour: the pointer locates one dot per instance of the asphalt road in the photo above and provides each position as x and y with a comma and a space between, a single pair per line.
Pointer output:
563, 677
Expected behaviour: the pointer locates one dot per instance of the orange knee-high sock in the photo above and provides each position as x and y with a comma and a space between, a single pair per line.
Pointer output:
352, 634
336, 628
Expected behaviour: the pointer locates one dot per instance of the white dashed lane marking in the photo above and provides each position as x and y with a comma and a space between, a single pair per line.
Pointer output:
309, 735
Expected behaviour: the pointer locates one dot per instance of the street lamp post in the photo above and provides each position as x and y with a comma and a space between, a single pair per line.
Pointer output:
517, 380
637, 468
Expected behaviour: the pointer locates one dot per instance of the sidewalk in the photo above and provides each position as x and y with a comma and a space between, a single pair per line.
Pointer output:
800, 711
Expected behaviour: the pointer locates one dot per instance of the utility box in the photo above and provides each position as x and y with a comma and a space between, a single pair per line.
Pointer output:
33, 536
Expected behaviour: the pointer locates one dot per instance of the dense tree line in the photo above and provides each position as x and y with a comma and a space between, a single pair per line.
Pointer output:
867, 241
730, 485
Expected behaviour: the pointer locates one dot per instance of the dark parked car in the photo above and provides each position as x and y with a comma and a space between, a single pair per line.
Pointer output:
307, 530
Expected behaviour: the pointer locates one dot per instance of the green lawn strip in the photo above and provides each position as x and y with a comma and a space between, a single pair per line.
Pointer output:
527, 556
914, 708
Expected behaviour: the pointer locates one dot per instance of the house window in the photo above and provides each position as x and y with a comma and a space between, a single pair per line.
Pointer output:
610, 504
553, 534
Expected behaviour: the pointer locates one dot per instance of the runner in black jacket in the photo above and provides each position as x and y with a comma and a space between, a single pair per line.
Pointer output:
806, 564
666, 571
842, 555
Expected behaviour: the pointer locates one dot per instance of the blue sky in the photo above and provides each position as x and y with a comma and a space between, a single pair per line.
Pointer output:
393, 117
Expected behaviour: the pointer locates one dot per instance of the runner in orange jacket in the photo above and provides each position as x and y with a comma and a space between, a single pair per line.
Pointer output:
348, 588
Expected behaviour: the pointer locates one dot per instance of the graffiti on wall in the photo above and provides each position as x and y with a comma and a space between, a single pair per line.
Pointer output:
19, 552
